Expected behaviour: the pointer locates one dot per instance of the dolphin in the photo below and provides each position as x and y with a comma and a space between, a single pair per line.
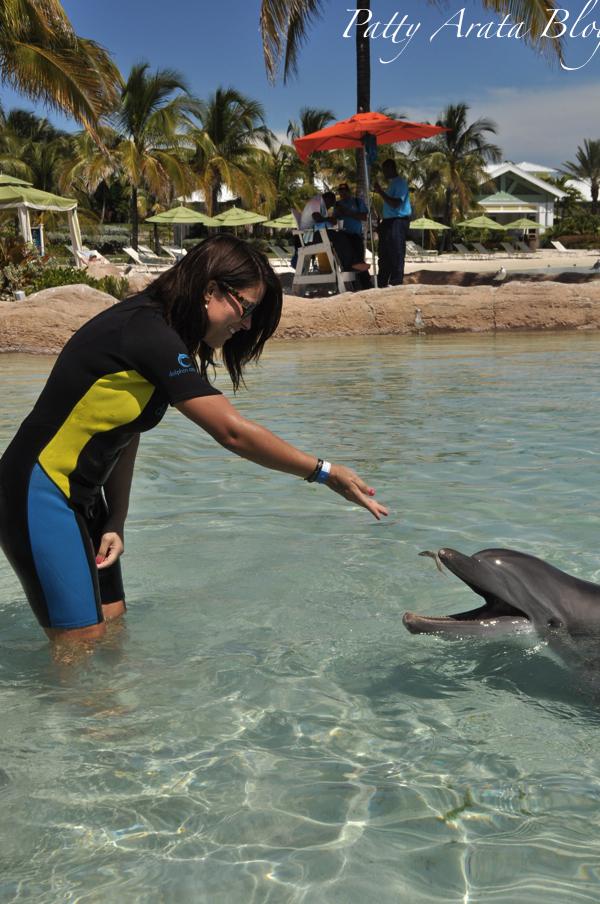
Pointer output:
521, 593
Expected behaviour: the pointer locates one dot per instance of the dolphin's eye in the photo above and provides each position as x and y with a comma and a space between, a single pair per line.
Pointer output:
554, 623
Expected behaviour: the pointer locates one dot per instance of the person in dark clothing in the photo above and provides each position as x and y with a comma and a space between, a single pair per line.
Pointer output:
352, 211
66, 476
393, 228
321, 212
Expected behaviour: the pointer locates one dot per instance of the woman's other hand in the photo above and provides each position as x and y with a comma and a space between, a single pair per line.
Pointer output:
349, 485
111, 547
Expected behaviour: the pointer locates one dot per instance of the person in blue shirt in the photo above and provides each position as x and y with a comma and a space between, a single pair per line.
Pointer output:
352, 210
394, 227
316, 214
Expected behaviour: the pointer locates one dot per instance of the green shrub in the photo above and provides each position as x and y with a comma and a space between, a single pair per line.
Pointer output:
117, 286
572, 240
19, 265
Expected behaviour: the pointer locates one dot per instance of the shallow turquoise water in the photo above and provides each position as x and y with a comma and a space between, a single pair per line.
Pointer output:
263, 729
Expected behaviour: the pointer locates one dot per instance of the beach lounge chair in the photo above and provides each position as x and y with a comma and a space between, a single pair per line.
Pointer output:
524, 247
414, 249
174, 253
560, 247
87, 255
146, 264
481, 249
307, 272
513, 251
462, 249
281, 257
151, 256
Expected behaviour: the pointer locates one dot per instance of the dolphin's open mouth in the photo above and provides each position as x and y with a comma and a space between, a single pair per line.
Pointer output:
496, 616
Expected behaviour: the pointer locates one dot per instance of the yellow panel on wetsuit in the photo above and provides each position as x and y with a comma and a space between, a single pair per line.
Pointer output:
113, 400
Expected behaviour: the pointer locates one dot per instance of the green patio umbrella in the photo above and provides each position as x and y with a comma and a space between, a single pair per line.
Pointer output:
288, 221
12, 180
182, 216
482, 222
424, 223
523, 223
235, 216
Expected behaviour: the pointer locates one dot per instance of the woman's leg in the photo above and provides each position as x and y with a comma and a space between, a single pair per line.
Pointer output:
65, 636
49, 546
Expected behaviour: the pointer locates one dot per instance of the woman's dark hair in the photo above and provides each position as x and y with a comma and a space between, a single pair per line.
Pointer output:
180, 294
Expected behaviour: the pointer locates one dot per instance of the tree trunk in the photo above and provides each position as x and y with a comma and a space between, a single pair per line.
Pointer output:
363, 92
447, 234
363, 64
594, 186
134, 217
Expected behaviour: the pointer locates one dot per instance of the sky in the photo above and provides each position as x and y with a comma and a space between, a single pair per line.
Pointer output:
428, 56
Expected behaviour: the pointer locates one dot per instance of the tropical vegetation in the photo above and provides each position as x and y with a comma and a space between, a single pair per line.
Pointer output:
42, 58
586, 167
146, 142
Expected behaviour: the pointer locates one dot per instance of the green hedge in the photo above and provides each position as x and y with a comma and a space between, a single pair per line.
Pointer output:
50, 277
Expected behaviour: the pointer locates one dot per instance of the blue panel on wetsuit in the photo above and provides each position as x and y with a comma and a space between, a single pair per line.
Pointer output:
59, 555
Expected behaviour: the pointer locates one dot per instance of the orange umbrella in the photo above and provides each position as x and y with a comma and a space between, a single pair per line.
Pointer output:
351, 133
364, 130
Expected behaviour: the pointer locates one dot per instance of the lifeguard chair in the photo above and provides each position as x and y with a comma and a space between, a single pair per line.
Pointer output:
308, 271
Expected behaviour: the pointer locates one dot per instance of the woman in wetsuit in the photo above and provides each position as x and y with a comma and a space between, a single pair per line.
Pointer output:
66, 476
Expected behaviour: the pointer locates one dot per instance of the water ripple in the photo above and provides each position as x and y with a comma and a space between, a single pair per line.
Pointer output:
263, 729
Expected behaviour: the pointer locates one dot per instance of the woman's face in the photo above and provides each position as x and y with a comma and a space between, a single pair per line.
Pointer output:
225, 312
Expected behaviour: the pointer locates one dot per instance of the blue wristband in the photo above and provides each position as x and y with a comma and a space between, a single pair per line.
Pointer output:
325, 471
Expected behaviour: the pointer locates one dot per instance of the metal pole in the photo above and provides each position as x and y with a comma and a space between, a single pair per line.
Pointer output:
369, 217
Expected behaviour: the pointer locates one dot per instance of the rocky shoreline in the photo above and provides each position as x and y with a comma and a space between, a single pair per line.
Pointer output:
42, 323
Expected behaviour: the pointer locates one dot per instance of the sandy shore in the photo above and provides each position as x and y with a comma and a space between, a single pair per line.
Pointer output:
537, 261
541, 262
43, 322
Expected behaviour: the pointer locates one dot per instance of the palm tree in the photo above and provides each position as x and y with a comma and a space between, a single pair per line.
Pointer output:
586, 168
150, 119
91, 169
458, 157
286, 174
311, 120
43, 58
285, 24
226, 146
40, 147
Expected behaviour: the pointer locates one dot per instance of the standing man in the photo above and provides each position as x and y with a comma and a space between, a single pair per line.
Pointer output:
393, 229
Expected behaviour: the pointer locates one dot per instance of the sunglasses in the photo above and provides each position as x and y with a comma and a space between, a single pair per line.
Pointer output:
248, 307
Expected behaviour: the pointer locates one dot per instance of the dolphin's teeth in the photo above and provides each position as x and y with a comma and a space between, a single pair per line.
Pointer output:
435, 557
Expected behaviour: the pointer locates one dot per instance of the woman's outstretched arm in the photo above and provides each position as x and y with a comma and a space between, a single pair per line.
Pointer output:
219, 417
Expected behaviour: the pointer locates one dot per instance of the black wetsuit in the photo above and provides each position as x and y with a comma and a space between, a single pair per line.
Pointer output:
114, 379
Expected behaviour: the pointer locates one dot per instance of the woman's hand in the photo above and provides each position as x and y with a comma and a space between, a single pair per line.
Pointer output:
111, 547
349, 485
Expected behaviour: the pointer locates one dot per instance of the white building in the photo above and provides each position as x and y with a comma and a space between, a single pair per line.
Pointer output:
516, 190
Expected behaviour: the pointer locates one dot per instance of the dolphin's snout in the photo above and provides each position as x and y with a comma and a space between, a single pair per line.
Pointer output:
409, 620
